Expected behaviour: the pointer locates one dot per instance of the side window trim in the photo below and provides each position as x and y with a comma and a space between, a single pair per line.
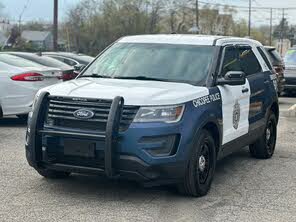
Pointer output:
260, 59
222, 59
265, 57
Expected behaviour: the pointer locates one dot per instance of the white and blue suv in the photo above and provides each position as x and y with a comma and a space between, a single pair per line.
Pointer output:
158, 109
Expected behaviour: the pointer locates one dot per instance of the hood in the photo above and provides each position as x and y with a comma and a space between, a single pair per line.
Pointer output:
134, 92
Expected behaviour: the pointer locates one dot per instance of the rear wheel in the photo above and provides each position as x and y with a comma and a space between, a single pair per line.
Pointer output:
201, 166
264, 147
53, 174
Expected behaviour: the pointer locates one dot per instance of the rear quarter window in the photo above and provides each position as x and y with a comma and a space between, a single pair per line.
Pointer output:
275, 57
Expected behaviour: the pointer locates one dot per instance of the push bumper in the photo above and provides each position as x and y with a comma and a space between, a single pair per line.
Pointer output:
126, 159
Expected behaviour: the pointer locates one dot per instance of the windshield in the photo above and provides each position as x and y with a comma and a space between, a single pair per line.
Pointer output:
177, 63
290, 57
17, 61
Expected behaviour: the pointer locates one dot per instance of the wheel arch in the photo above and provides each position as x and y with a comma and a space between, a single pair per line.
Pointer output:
215, 131
275, 109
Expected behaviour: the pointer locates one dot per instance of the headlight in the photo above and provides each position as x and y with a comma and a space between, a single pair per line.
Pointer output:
167, 114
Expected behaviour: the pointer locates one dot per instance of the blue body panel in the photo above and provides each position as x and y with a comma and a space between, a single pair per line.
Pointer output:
194, 118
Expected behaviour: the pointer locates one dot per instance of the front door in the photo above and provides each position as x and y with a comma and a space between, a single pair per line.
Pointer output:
235, 99
257, 78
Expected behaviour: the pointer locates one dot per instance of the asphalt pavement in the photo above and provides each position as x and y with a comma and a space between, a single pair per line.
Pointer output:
244, 189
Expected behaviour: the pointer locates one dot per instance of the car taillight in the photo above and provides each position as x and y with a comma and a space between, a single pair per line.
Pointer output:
29, 77
68, 76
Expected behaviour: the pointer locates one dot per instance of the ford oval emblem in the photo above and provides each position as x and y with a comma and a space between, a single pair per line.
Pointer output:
84, 114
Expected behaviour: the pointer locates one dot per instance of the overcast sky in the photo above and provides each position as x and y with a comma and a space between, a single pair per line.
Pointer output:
42, 9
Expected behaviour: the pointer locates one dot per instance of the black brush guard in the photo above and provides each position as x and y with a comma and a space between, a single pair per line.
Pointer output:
36, 130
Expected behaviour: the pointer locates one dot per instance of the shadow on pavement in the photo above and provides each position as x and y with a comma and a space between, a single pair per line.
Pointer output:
12, 122
86, 186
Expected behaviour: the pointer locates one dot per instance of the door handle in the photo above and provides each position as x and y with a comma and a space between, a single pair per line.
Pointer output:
245, 90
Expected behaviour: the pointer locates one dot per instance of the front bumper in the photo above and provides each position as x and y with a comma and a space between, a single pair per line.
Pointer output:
290, 83
118, 154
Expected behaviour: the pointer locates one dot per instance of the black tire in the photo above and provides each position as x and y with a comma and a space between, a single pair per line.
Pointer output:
264, 147
53, 174
201, 166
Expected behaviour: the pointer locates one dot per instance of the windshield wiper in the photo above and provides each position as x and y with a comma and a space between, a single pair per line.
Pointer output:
139, 78
95, 75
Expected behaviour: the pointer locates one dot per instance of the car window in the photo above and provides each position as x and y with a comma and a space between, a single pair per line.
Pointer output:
230, 60
290, 57
70, 62
56, 57
17, 61
248, 61
274, 57
264, 54
67, 61
44, 60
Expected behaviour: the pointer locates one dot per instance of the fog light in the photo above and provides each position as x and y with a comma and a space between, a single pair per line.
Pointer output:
161, 145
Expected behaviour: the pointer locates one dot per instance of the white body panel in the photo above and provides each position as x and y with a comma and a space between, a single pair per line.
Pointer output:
134, 92
16, 97
230, 96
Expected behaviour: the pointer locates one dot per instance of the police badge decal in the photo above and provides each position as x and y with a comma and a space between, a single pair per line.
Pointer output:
236, 115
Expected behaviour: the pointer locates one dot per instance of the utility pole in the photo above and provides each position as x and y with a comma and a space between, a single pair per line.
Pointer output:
270, 37
55, 25
21, 15
250, 13
197, 14
282, 32
195, 28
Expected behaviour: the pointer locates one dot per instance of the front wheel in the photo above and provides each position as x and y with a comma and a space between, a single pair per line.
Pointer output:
201, 166
264, 147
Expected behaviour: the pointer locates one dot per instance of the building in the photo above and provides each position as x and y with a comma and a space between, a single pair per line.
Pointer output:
39, 39
3, 39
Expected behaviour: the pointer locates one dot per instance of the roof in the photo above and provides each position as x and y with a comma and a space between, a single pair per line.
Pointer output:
269, 47
35, 35
186, 39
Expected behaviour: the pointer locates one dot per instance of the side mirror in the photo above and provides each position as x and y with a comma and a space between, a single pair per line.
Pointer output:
233, 78
78, 68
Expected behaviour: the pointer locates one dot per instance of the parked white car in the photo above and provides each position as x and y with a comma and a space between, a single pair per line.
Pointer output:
20, 80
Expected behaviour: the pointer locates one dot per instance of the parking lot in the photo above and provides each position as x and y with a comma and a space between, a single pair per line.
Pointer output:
244, 189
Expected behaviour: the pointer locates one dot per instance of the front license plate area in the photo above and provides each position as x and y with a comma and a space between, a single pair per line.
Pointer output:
79, 148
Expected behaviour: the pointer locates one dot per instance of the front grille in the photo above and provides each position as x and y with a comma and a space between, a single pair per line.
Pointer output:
61, 110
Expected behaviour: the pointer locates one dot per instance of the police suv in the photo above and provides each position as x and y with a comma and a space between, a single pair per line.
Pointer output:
158, 109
